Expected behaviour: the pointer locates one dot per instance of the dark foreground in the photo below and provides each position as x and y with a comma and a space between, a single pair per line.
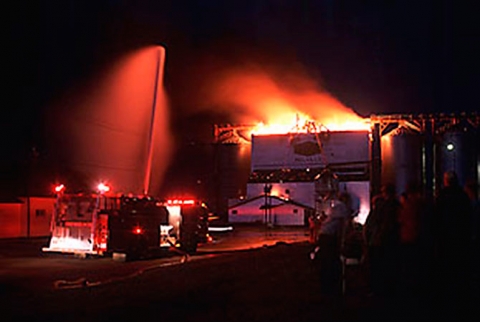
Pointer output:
274, 283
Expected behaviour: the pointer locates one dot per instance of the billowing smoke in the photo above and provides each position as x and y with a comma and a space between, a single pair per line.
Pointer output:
253, 90
101, 132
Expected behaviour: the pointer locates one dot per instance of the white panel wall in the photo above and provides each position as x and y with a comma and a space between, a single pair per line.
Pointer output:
283, 214
302, 192
300, 151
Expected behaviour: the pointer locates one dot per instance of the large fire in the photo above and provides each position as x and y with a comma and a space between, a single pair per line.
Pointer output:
278, 100
302, 123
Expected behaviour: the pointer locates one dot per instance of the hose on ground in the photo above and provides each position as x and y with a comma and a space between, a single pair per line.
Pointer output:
84, 283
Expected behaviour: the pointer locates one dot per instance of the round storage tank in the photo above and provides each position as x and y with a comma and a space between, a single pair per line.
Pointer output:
232, 169
458, 150
402, 153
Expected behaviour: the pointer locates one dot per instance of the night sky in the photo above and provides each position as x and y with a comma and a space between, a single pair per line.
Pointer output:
373, 56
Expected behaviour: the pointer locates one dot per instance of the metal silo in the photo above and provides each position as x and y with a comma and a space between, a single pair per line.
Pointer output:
457, 149
232, 169
402, 153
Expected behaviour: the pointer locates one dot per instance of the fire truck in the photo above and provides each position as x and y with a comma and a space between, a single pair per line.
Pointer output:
102, 223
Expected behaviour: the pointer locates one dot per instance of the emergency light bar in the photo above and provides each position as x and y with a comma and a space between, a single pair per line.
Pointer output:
101, 187
181, 202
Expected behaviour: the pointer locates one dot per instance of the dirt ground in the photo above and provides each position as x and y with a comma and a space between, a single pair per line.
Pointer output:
274, 281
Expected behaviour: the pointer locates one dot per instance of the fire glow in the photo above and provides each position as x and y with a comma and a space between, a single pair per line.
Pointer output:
324, 113
306, 125
277, 100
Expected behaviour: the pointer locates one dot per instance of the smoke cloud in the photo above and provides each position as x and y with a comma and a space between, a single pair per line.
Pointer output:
257, 88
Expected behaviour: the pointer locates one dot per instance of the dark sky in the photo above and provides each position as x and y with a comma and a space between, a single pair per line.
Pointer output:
374, 56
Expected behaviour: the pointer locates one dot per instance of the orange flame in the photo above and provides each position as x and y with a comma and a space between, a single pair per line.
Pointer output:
279, 101
286, 123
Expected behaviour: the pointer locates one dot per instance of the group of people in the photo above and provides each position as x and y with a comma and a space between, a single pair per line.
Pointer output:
412, 244
424, 247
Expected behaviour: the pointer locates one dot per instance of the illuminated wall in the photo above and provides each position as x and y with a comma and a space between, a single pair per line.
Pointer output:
26, 219
308, 150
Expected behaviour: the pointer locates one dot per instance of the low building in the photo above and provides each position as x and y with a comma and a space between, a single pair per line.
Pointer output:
269, 209
25, 217
287, 167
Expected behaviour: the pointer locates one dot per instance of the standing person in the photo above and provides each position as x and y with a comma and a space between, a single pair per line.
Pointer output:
381, 233
312, 229
453, 235
413, 231
369, 229
471, 188
334, 216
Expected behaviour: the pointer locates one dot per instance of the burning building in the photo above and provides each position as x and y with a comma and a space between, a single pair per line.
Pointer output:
285, 169
398, 149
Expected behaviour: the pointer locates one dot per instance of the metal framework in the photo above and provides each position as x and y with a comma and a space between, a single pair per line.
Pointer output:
421, 123
431, 126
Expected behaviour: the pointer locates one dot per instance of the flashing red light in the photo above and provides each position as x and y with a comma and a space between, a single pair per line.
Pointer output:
59, 188
137, 230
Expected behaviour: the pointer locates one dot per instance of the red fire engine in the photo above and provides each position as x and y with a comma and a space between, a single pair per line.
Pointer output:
102, 223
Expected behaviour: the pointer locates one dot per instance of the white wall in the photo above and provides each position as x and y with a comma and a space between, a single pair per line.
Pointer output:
278, 151
282, 214
302, 192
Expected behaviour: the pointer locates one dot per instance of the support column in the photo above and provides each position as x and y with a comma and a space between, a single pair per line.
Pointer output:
376, 165
428, 163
